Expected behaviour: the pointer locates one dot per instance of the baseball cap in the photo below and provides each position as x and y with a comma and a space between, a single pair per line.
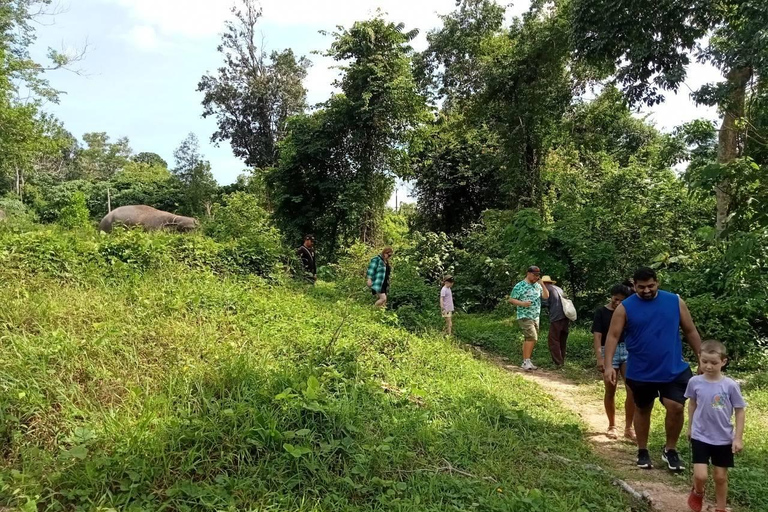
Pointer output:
309, 237
534, 269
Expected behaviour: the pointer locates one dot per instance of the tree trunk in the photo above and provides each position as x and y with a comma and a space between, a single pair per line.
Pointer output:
728, 148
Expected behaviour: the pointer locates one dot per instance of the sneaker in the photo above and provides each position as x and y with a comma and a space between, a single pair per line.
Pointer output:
533, 366
644, 459
527, 365
695, 501
672, 459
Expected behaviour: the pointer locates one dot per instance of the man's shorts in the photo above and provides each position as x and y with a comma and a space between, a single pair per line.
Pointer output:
530, 328
646, 392
720, 455
619, 357
447, 314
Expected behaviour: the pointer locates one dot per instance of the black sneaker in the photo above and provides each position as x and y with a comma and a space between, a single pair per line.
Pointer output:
644, 459
672, 459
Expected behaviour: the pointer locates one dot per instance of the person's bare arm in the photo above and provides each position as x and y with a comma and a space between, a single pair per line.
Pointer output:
689, 329
598, 337
691, 410
521, 303
544, 291
738, 436
614, 333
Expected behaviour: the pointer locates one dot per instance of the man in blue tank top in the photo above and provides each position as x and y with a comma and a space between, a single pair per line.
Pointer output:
651, 320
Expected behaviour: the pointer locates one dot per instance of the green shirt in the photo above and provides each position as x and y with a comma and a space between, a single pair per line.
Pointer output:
527, 292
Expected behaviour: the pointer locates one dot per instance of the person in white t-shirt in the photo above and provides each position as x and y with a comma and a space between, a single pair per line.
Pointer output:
446, 303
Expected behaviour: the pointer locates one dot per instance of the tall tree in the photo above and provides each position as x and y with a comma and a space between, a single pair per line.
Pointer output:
253, 94
648, 45
195, 176
383, 105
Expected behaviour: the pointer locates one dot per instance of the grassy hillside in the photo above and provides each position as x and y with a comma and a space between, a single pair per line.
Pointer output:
165, 387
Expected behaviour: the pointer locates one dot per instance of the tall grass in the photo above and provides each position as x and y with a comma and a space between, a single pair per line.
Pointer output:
165, 387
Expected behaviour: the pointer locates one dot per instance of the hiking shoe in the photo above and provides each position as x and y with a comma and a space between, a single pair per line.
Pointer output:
695, 501
672, 459
644, 459
527, 365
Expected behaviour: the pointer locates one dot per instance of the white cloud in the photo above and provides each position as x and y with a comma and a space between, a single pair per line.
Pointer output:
143, 37
201, 18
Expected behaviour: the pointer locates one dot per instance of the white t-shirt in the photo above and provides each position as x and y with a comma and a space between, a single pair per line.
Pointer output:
447, 296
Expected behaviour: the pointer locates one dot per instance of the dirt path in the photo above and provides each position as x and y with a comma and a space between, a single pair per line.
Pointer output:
666, 492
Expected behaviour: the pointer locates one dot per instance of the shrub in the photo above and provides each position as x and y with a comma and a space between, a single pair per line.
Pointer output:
74, 213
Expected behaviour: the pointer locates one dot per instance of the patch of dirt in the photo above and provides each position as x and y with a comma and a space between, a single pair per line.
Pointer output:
667, 492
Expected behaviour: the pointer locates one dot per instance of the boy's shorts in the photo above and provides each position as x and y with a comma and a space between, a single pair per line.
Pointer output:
447, 314
619, 357
720, 455
530, 328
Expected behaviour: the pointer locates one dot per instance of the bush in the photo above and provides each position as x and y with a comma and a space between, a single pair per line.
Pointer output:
75, 214
251, 243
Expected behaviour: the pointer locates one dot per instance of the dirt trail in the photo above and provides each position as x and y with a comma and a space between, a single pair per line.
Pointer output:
667, 492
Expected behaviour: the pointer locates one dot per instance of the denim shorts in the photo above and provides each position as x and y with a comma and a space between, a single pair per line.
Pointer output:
619, 357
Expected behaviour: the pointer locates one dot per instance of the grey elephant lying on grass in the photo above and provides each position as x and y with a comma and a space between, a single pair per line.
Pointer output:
148, 218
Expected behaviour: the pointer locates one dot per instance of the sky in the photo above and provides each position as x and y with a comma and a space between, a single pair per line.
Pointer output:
145, 57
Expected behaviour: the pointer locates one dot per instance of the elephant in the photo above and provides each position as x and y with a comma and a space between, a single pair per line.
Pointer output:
148, 218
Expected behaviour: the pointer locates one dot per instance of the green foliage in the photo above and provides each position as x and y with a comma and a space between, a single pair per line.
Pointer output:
75, 213
252, 243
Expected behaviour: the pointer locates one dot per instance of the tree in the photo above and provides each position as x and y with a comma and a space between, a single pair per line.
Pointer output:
456, 174
527, 88
151, 159
451, 66
648, 44
194, 174
381, 104
101, 159
17, 35
252, 96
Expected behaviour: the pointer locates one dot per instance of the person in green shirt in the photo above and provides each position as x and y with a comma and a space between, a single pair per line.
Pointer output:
526, 296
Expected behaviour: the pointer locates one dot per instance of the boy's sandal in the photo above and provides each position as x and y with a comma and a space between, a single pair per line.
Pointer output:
611, 433
630, 434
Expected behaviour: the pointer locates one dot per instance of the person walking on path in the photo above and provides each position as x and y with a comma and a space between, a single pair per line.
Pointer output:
559, 324
446, 304
651, 321
379, 273
600, 326
306, 252
713, 400
527, 295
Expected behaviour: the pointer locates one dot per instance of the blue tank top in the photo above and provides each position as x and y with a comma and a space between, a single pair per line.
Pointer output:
653, 338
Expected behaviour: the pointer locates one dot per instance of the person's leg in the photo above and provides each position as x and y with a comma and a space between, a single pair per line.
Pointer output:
449, 322
699, 478
629, 405
720, 476
609, 401
530, 330
642, 421
382, 302
673, 423
644, 395
673, 398
564, 336
554, 343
